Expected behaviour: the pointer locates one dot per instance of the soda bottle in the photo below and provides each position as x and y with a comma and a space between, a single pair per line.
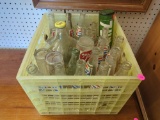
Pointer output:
80, 67
85, 45
92, 63
124, 69
69, 25
72, 63
103, 69
63, 42
81, 26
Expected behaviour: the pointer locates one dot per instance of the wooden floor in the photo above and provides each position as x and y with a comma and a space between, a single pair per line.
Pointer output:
15, 105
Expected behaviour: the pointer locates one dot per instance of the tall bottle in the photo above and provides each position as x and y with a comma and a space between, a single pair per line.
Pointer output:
112, 59
63, 42
81, 26
69, 27
51, 22
106, 38
92, 63
103, 69
124, 69
71, 68
80, 67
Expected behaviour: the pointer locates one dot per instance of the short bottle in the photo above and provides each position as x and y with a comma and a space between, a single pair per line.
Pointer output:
124, 69
71, 68
40, 55
92, 63
53, 58
32, 69
80, 68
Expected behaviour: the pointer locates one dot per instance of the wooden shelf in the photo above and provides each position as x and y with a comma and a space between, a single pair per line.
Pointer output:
118, 5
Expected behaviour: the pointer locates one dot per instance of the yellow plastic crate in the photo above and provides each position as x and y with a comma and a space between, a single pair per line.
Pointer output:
60, 95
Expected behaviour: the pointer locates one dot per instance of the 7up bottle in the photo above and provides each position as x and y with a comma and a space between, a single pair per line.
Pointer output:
106, 19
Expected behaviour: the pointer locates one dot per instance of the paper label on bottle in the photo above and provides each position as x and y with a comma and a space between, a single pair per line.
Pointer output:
85, 55
100, 58
71, 33
88, 69
79, 31
106, 51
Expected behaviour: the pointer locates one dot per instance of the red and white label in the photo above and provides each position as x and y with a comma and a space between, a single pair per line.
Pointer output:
85, 55
79, 31
71, 33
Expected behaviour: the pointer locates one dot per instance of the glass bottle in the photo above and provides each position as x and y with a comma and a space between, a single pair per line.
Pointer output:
107, 41
85, 45
112, 59
40, 55
124, 69
59, 70
52, 59
32, 69
72, 63
81, 26
103, 69
80, 67
118, 42
69, 25
92, 63
101, 45
63, 42
91, 31
112, 64
51, 22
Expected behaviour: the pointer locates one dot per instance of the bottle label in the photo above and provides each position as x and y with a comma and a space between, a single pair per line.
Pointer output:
71, 33
79, 31
88, 69
100, 59
85, 55
106, 51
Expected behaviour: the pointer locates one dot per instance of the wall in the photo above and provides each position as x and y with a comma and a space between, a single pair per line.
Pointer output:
19, 19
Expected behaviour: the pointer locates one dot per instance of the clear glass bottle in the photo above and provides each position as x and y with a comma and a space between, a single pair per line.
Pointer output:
105, 36
124, 69
101, 45
85, 45
51, 22
118, 42
72, 63
80, 67
52, 59
92, 63
63, 42
103, 69
81, 26
32, 69
59, 70
113, 58
40, 55
69, 27
91, 31
112, 65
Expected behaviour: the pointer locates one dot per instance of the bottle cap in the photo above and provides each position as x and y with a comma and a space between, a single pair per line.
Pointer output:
60, 24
